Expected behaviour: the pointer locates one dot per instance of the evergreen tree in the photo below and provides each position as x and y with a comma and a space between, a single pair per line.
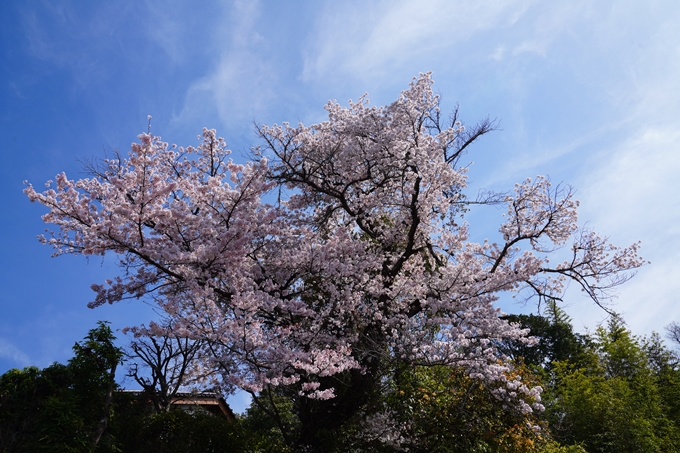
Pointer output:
556, 339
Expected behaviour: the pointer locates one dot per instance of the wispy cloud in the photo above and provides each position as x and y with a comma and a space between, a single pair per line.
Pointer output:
81, 40
632, 184
349, 39
180, 30
167, 27
10, 352
631, 194
238, 89
629, 188
548, 23
39, 43
242, 83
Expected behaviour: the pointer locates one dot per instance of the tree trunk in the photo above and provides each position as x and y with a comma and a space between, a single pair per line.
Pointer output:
106, 412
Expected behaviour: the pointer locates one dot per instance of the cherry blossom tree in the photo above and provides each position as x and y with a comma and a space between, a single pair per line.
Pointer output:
363, 262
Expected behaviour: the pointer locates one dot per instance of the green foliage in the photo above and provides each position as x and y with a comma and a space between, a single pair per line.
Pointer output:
137, 428
613, 399
74, 408
62, 426
554, 447
94, 373
446, 411
435, 409
264, 432
609, 391
557, 340
177, 431
605, 392
665, 365
38, 411
61, 408
602, 413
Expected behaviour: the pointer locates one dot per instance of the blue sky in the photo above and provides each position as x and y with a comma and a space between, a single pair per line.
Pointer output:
587, 92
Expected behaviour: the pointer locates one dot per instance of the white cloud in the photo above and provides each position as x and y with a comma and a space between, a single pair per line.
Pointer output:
549, 23
167, 27
40, 44
12, 353
637, 181
240, 87
632, 194
362, 41
624, 140
648, 302
242, 83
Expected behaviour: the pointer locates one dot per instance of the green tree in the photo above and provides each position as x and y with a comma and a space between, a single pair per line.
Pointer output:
426, 408
62, 408
611, 400
38, 411
557, 340
447, 411
666, 366
177, 431
94, 372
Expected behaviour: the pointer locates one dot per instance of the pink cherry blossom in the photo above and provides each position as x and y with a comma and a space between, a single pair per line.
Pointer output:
364, 261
